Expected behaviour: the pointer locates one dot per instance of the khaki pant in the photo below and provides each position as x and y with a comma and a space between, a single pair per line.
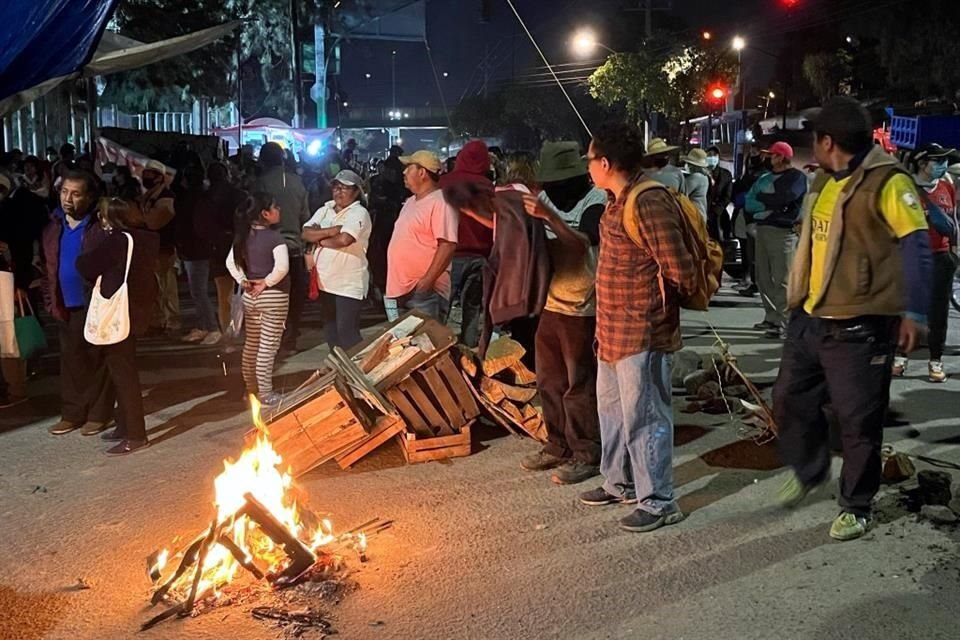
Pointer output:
775, 249
167, 314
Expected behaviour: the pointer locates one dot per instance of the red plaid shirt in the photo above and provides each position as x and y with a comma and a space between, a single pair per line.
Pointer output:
634, 314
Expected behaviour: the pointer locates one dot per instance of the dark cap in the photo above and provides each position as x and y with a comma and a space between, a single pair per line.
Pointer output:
847, 122
932, 151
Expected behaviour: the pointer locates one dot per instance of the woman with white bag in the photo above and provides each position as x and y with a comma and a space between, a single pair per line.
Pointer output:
121, 268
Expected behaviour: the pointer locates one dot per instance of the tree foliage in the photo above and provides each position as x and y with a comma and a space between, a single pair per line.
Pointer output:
828, 73
671, 80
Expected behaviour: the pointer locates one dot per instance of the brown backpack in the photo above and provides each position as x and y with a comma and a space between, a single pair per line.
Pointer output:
706, 252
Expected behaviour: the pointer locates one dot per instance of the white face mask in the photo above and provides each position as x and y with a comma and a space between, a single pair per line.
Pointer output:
713, 161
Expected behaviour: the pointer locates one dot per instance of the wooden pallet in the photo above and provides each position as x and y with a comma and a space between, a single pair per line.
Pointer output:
419, 449
435, 399
385, 428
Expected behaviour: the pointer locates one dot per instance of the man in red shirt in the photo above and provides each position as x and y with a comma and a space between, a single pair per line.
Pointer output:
940, 203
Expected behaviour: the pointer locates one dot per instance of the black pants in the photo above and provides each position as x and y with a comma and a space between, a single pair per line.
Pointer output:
567, 381
121, 359
940, 294
299, 286
718, 222
85, 388
341, 320
846, 363
524, 331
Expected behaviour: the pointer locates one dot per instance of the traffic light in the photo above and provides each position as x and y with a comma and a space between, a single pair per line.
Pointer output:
717, 93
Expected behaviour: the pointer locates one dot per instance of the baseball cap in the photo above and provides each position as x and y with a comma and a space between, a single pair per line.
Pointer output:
932, 151
426, 159
155, 165
780, 149
349, 178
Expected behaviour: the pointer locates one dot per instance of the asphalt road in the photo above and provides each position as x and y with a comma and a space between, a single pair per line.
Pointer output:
480, 548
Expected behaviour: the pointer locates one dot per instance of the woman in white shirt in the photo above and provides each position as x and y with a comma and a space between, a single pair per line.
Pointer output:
341, 230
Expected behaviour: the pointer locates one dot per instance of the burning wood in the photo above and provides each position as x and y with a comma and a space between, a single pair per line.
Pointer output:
258, 527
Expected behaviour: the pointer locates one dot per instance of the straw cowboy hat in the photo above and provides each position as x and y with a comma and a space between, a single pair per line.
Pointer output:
696, 158
658, 146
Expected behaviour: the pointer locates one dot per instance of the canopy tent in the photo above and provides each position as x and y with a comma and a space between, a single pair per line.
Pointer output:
15, 93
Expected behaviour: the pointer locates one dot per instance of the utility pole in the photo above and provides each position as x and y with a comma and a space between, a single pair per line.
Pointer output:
393, 77
648, 17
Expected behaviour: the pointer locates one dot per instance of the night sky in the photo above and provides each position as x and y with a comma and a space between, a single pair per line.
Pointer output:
460, 42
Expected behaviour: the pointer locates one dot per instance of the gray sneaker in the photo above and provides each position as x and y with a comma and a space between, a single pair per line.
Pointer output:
599, 497
574, 473
541, 461
641, 521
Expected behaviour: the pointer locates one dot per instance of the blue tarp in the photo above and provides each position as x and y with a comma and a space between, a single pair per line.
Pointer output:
44, 39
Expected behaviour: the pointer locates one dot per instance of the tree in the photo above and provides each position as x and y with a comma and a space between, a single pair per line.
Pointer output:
671, 79
828, 73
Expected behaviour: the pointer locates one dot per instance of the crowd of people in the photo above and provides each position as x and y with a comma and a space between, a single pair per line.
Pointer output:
582, 258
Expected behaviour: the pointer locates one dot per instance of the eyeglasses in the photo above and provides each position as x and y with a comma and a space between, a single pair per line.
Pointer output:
336, 186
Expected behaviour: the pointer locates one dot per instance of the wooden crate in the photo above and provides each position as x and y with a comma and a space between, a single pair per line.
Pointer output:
420, 449
329, 422
435, 399
385, 428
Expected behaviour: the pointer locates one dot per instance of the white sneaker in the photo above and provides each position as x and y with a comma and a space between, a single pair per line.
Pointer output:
899, 366
212, 338
935, 371
195, 335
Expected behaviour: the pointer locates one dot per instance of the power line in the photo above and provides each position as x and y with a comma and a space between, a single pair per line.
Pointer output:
547, 62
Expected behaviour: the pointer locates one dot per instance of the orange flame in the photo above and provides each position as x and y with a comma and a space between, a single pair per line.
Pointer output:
256, 471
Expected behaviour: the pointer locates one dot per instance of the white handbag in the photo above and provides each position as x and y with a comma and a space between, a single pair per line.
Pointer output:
108, 319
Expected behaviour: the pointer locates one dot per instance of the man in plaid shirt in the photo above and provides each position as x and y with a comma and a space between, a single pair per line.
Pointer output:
638, 328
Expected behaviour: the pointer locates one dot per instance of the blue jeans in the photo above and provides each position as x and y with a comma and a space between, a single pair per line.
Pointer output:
636, 429
433, 304
198, 279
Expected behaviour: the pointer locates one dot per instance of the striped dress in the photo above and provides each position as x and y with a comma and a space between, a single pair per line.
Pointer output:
264, 316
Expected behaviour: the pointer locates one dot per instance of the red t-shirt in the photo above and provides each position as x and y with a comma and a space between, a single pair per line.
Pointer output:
945, 197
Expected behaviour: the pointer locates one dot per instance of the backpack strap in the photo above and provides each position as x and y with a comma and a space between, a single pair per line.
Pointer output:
631, 225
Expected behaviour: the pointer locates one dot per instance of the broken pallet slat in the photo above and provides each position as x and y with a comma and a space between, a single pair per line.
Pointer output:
409, 412
424, 404
437, 448
458, 386
438, 392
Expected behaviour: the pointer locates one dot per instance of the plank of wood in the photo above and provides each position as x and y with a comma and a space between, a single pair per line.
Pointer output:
358, 381
501, 354
379, 351
468, 360
438, 390
424, 404
458, 387
409, 412
437, 442
415, 450
492, 392
518, 374
392, 364
511, 409
387, 427
493, 411
520, 395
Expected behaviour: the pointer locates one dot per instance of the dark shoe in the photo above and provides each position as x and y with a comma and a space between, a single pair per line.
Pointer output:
599, 497
128, 446
574, 473
92, 428
748, 292
641, 521
777, 333
763, 326
114, 435
64, 426
541, 461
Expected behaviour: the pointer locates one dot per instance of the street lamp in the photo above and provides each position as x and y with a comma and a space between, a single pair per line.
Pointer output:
585, 42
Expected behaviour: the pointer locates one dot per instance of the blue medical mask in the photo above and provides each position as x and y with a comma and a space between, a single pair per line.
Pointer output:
713, 161
938, 170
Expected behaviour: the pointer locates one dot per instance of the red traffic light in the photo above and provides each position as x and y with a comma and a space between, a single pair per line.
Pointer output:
717, 93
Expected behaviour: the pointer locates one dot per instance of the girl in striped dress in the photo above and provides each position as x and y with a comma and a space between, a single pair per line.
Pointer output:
259, 262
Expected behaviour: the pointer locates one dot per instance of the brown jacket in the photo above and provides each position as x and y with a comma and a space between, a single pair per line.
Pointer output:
862, 271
